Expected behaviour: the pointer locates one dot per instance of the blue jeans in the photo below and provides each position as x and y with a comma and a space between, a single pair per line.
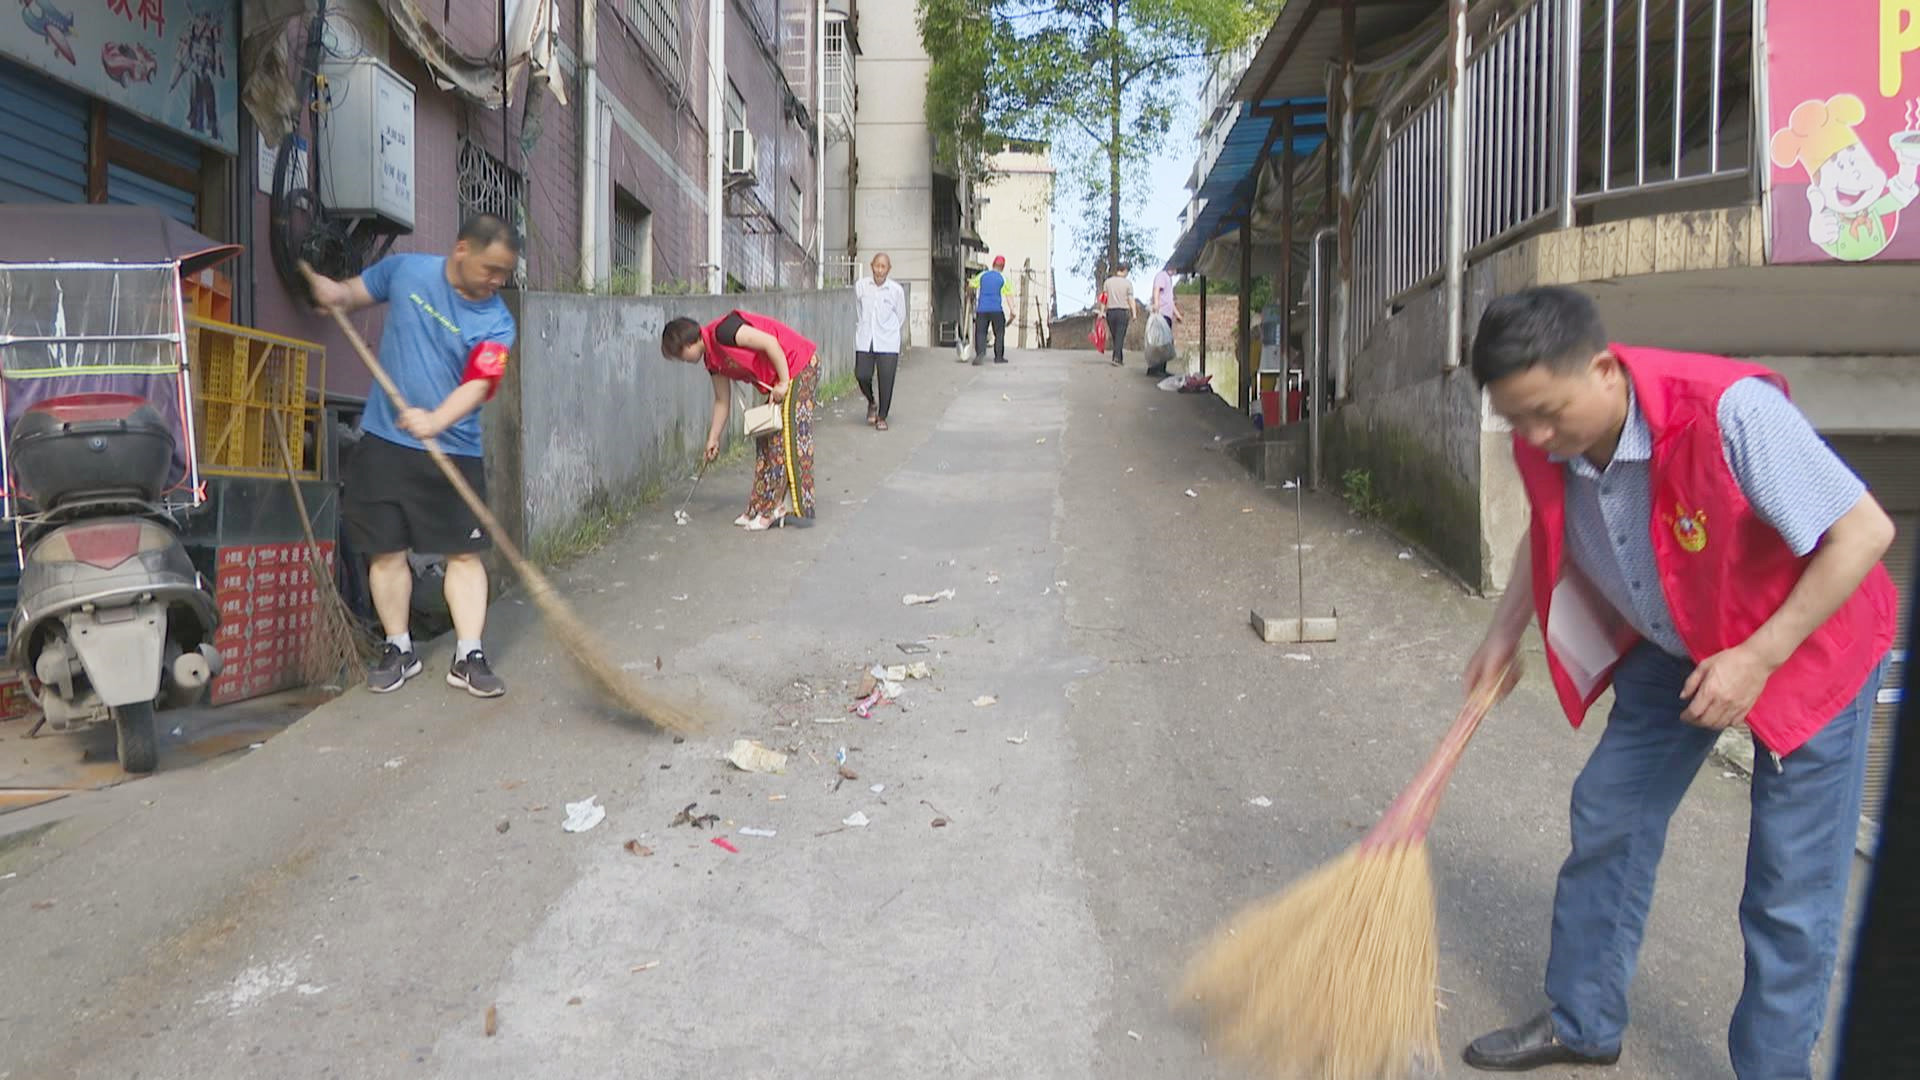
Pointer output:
1799, 854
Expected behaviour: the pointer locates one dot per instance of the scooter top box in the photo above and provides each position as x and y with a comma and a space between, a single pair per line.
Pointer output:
98, 445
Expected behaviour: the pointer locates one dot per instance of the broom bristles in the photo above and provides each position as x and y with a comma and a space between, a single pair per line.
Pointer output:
1335, 977
579, 643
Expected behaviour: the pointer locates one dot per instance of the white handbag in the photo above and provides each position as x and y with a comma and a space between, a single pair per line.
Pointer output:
759, 420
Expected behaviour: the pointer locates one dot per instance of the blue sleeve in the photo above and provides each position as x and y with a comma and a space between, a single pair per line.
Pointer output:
378, 278
1793, 479
503, 329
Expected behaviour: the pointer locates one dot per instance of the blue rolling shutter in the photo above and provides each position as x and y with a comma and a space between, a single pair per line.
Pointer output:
43, 139
126, 187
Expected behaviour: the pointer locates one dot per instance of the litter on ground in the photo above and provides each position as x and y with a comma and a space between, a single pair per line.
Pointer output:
765, 834
985, 700
584, 815
856, 820
723, 844
1261, 801
916, 599
749, 756
687, 817
1018, 740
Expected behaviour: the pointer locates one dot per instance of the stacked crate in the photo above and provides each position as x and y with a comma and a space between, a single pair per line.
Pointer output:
269, 607
246, 380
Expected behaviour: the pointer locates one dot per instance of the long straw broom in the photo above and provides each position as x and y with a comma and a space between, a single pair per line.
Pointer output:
575, 638
338, 642
1335, 977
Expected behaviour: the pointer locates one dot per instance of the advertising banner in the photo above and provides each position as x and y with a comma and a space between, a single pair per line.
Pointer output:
173, 62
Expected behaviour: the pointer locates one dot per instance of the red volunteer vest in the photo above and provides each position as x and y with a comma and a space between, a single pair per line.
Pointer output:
749, 365
1724, 570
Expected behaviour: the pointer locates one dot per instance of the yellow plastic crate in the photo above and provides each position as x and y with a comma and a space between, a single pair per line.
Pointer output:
243, 379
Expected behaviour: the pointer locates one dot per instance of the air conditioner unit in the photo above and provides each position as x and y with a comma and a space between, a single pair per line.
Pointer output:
740, 159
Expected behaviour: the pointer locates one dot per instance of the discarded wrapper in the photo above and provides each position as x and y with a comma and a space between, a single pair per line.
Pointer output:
584, 815
985, 700
680, 517
765, 834
722, 843
749, 756
915, 599
856, 820
1261, 801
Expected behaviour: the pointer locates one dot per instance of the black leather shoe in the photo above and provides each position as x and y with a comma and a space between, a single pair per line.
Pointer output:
1531, 1045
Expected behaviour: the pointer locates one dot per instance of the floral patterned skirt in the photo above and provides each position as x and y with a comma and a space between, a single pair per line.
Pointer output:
783, 469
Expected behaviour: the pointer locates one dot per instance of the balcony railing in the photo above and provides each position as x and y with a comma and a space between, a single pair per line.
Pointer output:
1566, 104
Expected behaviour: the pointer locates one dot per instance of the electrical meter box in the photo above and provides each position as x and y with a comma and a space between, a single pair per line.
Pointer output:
366, 142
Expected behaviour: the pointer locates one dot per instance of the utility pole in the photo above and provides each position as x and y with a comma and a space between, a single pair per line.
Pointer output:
1026, 283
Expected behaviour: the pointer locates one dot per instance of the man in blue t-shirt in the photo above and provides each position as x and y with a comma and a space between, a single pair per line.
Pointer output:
446, 342
990, 311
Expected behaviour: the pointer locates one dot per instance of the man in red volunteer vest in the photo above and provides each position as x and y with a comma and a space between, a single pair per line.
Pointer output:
1698, 548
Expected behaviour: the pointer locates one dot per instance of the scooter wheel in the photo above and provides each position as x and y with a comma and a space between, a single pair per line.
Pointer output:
139, 740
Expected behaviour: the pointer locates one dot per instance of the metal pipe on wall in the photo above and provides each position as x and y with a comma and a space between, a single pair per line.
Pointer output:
1320, 392
589, 131
1569, 110
1342, 340
716, 142
1456, 182
820, 144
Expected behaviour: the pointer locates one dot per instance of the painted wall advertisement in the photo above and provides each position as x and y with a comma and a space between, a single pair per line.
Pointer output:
170, 61
1844, 129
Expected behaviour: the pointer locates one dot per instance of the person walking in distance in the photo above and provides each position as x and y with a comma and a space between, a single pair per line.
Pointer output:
881, 310
1695, 544
766, 353
1121, 305
1164, 306
990, 311
446, 342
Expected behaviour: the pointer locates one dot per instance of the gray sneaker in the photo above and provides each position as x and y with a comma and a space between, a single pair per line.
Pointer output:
475, 676
392, 670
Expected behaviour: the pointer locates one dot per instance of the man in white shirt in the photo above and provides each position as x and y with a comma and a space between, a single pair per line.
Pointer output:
881, 311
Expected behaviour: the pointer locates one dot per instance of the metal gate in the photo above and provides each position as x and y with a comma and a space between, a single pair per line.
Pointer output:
43, 139
1886, 463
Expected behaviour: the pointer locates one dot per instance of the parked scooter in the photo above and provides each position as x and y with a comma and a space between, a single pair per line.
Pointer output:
113, 620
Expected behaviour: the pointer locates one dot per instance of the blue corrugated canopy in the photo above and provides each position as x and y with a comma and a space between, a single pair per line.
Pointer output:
1229, 185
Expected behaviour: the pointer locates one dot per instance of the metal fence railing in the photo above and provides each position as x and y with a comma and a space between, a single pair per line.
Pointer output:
1566, 104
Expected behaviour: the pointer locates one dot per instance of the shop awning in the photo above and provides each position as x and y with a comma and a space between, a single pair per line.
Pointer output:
1228, 188
87, 233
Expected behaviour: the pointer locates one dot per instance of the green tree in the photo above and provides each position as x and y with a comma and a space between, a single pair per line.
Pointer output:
1096, 78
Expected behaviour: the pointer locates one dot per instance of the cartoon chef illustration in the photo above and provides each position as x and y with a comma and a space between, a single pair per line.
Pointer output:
1855, 203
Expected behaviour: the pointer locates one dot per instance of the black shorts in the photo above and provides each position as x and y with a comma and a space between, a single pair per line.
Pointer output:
397, 499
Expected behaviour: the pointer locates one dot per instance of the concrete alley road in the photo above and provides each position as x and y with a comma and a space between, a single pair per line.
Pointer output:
353, 898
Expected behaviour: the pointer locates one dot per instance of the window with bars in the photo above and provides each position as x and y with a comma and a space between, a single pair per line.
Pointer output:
488, 186
658, 23
632, 246
796, 209
736, 106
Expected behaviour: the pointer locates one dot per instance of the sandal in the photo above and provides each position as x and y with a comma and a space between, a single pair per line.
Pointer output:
873, 414
879, 425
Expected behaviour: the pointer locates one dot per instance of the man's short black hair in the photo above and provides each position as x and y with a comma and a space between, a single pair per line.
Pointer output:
677, 335
1551, 325
482, 231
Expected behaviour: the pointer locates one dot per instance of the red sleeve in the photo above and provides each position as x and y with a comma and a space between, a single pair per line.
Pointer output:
487, 361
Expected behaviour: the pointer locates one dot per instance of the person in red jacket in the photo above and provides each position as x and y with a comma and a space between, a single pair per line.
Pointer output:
780, 362
1697, 547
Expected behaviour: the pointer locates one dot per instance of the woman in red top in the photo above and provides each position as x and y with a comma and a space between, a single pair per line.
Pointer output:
777, 360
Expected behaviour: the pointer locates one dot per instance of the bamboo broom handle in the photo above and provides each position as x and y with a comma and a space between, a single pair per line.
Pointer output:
1413, 810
